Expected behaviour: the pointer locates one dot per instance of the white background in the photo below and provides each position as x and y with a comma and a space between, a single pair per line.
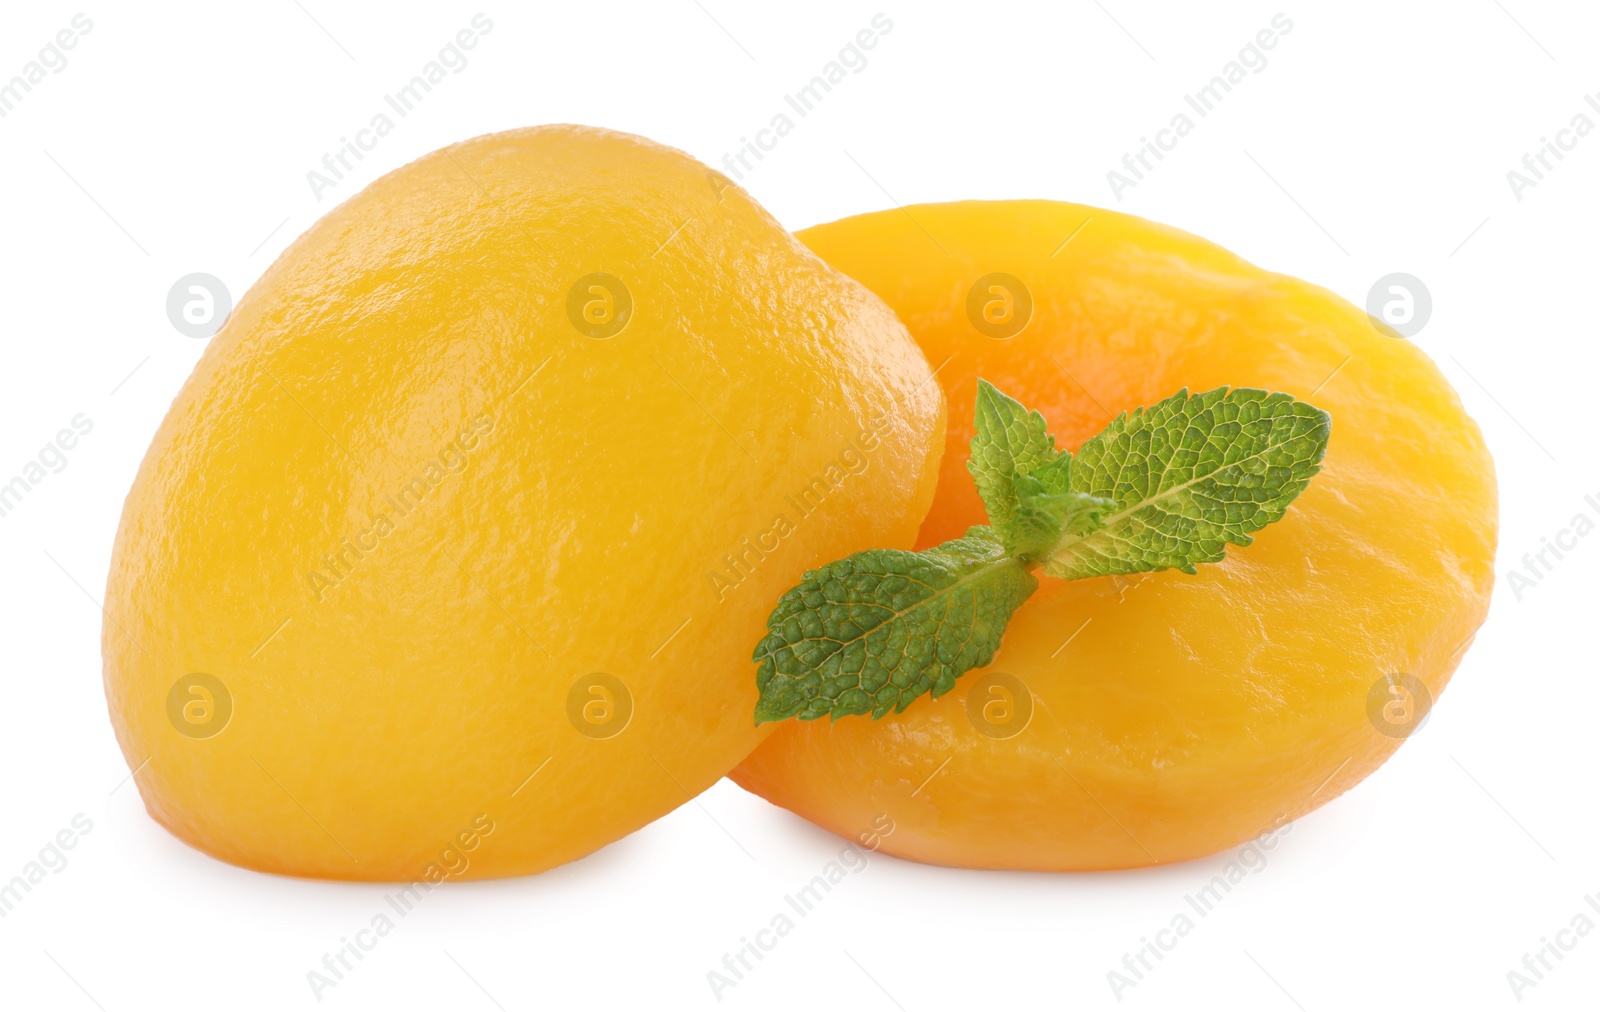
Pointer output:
1377, 139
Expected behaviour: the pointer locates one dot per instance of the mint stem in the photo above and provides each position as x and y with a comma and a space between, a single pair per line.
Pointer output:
1168, 486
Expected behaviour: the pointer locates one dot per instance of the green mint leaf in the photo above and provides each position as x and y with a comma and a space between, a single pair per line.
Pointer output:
1010, 440
1044, 516
1188, 477
1168, 486
1053, 476
872, 632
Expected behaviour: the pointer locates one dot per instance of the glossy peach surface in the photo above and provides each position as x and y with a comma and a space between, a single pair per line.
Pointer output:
1158, 717
432, 480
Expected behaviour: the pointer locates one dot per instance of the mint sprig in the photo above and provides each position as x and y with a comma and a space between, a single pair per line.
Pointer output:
876, 630
1168, 486
1010, 441
1190, 476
